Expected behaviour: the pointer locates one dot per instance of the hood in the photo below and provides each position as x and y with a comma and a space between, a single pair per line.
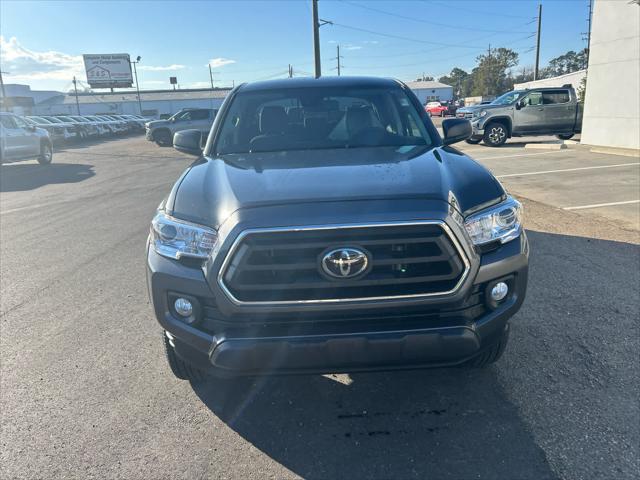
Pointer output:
157, 123
214, 188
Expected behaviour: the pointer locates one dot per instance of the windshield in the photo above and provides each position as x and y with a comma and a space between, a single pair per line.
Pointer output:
54, 120
39, 120
320, 118
507, 98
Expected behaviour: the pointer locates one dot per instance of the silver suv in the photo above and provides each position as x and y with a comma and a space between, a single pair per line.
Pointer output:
161, 131
20, 140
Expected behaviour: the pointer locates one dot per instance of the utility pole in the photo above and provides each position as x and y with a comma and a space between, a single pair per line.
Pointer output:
4, 93
290, 71
135, 70
316, 38
338, 58
211, 76
589, 32
536, 69
75, 87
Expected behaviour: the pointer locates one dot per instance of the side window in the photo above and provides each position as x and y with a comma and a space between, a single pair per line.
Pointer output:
412, 127
186, 116
7, 121
534, 98
199, 114
553, 97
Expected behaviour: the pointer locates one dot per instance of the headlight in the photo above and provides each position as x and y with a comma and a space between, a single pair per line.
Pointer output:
482, 113
500, 223
175, 238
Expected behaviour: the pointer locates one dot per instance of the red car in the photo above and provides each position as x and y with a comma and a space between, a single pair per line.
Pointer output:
436, 109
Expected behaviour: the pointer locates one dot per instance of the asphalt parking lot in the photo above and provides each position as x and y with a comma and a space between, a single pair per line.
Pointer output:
85, 391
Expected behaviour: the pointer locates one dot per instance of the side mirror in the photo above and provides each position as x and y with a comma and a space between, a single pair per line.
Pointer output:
519, 104
188, 141
456, 130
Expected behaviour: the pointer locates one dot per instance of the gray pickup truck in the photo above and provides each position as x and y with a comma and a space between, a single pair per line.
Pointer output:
21, 140
538, 111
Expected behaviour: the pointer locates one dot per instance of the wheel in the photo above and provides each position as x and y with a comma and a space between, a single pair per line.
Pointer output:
46, 154
180, 368
163, 138
564, 136
473, 140
495, 134
491, 354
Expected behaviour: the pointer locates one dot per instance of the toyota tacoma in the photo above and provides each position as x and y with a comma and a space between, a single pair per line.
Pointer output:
327, 227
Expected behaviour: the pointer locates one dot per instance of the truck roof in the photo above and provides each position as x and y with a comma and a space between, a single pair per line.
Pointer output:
308, 82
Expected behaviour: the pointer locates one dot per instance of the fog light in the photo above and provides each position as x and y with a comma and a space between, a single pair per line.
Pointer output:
183, 307
499, 291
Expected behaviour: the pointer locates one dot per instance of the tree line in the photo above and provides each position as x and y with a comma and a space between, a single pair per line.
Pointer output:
495, 72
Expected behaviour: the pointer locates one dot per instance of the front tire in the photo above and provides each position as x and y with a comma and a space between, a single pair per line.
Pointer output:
46, 154
473, 140
564, 136
180, 368
495, 134
163, 138
491, 354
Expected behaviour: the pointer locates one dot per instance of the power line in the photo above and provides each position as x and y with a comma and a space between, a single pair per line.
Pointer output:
478, 51
420, 20
492, 13
409, 39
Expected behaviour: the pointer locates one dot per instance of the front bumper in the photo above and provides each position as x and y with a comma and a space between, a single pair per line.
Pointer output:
405, 334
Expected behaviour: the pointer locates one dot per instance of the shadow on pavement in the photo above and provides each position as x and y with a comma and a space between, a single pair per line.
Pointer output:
28, 176
463, 424
423, 424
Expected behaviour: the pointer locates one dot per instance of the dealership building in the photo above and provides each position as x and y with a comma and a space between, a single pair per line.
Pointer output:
153, 102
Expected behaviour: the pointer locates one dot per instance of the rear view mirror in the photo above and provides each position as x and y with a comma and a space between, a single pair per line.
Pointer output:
455, 130
188, 141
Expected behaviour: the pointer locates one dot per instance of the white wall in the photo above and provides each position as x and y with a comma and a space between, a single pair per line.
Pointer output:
612, 102
573, 79
441, 93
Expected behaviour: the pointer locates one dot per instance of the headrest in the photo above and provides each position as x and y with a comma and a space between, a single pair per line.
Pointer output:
358, 118
273, 120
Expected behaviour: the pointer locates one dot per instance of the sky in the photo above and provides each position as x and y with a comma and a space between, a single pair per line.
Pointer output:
42, 42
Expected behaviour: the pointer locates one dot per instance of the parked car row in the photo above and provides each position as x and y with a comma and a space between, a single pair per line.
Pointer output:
80, 127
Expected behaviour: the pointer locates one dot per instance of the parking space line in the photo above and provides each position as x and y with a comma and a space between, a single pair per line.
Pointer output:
568, 170
519, 155
597, 205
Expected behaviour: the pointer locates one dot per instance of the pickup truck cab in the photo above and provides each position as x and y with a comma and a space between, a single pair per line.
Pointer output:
20, 140
327, 227
538, 111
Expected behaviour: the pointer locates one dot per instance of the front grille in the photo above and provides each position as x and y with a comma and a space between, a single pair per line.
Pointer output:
284, 265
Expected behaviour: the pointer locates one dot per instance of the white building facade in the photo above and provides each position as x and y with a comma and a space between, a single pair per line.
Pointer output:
612, 101
430, 91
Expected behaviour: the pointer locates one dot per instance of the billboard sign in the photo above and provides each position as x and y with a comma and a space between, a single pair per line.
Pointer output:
108, 70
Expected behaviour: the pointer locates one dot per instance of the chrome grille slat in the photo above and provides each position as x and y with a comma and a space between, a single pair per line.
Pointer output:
280, 266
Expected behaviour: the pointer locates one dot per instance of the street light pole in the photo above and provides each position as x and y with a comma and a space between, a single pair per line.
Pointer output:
135, 71
75, 87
